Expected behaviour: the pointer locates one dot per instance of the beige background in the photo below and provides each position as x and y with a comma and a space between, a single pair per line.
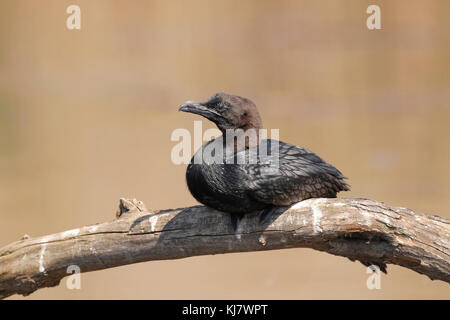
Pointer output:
86, 118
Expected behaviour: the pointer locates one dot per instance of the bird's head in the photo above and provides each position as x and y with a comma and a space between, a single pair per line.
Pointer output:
226, 111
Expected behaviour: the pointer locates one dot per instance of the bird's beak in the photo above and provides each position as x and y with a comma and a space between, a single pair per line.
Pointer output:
193, 107
202, 110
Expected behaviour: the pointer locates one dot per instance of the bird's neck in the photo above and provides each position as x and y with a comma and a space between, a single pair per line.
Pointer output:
241, 138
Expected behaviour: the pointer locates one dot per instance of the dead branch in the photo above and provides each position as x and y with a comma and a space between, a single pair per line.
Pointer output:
358, 229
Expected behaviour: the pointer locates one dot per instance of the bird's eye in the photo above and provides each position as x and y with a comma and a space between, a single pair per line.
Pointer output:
245, 114
222, 106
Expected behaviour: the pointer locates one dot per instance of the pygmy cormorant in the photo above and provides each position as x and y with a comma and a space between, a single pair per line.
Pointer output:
230, 181
239, 173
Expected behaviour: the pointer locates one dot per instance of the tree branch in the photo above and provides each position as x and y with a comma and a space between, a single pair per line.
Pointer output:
358, 229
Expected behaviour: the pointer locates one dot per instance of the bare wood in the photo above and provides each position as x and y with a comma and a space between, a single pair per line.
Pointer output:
358, 229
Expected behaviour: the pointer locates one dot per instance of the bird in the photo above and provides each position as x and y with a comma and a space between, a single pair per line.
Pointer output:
239, 172
288, 175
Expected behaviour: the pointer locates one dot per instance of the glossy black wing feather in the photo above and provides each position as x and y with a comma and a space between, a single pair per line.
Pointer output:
299, 174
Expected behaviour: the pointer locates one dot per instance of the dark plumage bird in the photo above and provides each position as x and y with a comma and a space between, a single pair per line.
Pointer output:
287, 175
237, 174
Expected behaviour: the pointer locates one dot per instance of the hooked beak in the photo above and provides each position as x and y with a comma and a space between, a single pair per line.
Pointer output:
193, 107
202, 110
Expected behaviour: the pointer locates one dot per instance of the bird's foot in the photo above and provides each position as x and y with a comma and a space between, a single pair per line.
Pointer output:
235, 221
266, 214
271, 211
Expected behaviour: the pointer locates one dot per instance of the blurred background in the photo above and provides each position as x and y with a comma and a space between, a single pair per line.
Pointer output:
86, 117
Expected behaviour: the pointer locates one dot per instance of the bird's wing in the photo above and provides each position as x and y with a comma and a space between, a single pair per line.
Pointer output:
293, 174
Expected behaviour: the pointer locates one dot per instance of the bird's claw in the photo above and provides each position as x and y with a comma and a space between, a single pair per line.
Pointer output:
265, 214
